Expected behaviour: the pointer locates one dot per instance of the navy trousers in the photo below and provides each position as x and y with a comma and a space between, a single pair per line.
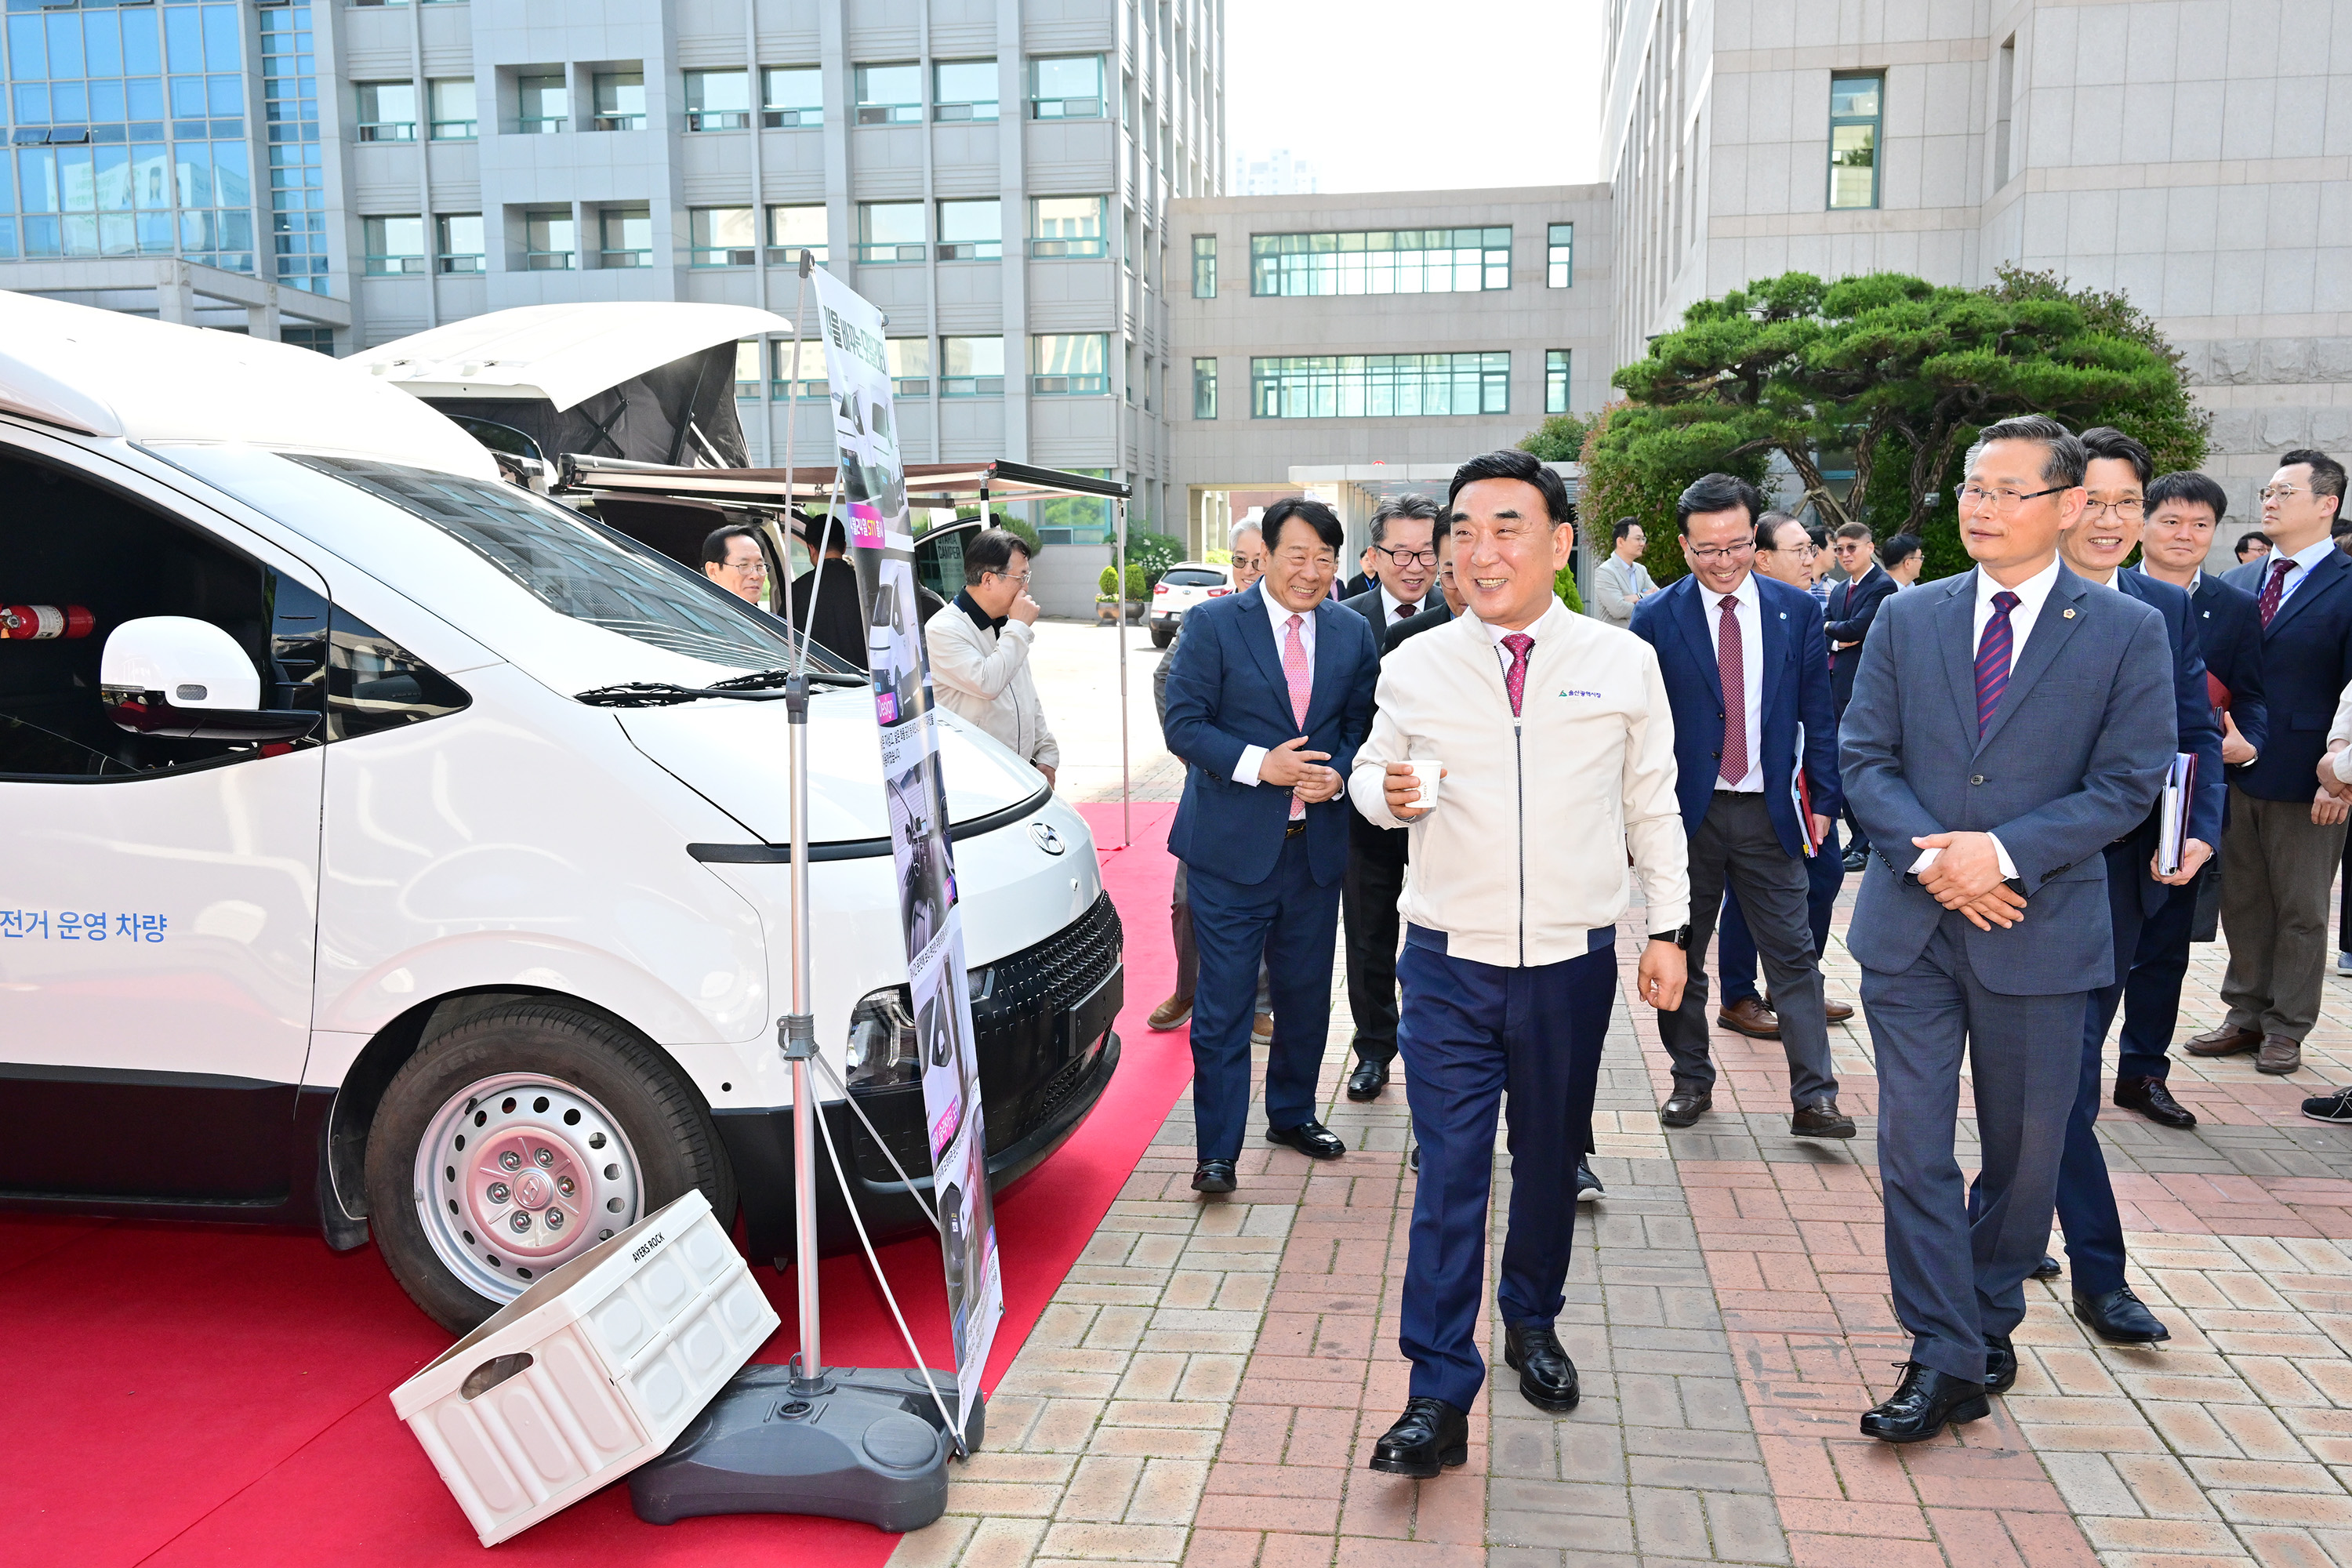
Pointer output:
1734, 949
1289, 922
2087, 1198
2152, 995
1468, 1033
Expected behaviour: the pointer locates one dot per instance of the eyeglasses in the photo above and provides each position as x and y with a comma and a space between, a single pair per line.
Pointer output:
1850, 547
2127, 511
1728, 553
2277, 492
1020, 582
1976, 497
755, 567
1409, 557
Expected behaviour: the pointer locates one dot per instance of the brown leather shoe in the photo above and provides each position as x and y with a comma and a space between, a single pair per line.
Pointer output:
1822, 1118
1838, 1012
1749, 1016
1263, 1029
2225, 1041
2279, 1054
1171, 1013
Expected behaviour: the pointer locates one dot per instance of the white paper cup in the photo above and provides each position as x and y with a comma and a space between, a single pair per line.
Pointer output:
1424, 774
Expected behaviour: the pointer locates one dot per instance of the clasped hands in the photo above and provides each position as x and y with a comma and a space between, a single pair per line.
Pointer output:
1966, 877
1292, 767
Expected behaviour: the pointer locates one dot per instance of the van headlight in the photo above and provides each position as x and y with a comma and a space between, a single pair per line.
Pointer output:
883, 1050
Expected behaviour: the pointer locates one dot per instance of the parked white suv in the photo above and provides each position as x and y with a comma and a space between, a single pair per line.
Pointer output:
1184, 585
341, 890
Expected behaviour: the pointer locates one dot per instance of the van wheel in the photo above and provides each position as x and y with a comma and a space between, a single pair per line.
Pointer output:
1161, 638
517, 1141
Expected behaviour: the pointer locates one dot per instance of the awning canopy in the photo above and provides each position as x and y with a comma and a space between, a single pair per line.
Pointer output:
563, 353
928, 484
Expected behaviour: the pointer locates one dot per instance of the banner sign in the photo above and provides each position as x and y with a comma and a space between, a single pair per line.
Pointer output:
874, 492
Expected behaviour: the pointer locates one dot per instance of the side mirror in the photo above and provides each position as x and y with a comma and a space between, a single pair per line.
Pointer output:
186, 678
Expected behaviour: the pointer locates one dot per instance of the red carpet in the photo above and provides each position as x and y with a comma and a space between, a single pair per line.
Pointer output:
196, 1394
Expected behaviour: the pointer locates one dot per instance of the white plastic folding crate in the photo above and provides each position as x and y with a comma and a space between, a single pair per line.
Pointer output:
590, 1372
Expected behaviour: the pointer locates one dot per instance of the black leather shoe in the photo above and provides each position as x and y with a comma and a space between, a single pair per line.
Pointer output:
1546, 1377
1430, 1436
1309, 1137
1855, 860
1922, 1402
2046, 1269
1213, 1176
1685, 1106
1587, 1185
2120, 1318
1367, 1081
1822, 1118
2151, 1098
2000, 1364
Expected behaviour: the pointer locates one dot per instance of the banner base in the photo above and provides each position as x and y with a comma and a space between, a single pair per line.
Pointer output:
870, 1447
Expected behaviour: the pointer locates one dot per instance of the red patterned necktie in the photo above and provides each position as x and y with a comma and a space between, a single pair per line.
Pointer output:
2275, 589
1406, 609
1731, 664
1516, 677
1993, 650
1294, 672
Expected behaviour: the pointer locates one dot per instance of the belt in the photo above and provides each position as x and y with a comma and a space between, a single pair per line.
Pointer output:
1292, 830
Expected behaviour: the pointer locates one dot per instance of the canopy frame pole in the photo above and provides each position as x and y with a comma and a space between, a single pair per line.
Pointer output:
1118, 591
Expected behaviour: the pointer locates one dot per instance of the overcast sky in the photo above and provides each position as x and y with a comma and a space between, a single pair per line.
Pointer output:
1389, 95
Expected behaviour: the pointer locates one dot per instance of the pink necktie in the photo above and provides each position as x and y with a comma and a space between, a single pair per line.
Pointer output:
1731, 665
1515, 680
1294, 671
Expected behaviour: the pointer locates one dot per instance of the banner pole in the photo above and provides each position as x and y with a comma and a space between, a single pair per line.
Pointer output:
1126, 801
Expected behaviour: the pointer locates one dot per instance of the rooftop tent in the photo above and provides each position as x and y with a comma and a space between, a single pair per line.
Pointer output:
651, 382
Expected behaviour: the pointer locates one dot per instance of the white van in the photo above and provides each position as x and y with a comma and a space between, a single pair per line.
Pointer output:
329, 898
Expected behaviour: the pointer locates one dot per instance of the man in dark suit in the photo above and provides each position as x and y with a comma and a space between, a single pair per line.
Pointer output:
1404, 554
1269, 698
2183, 511
1748, 679
2115, 482
2285, 837
840, 608
1852, 606
2005, 726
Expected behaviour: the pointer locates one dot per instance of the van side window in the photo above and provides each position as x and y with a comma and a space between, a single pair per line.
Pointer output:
374, 683
84, 559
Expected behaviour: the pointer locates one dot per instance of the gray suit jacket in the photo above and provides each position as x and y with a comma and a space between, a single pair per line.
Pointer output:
2074, 757
2247, 575
1613, 581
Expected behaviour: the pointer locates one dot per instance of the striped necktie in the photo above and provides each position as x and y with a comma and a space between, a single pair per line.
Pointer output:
1993, 651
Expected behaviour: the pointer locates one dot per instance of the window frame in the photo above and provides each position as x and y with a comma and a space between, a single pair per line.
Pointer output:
1280, 259
473, 123
1205, 267
542, 124
1068, 383
379, 130
1064, 247
374, 240
864, 111
771, 113
972, 385
442, 254
781, 254
1061, 105
1326, 381
1559, 364
700, 249
1560, 255
941, 104
968, 249
551, 261
1874, 122
1204, 387
902, 252
606, 250
702, 119
617, 118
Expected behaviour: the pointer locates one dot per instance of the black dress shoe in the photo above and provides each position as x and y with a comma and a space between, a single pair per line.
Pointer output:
1685, 1106
1430, 1436
1822, 1118
2046, 1269
1309, 1137
2120, 1318
1855, 860
1922, 1402
1367, 1081
2000, 1364
1546, 1377
1587, 1185
1213, 1176
2151, 1098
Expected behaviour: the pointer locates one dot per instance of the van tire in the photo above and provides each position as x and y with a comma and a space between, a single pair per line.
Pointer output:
1162, 638
665, 1121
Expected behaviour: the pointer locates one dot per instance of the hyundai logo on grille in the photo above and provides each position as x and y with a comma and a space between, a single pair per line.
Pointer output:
1047, 840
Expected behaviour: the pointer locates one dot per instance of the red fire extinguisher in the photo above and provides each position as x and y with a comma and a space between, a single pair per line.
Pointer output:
38, 623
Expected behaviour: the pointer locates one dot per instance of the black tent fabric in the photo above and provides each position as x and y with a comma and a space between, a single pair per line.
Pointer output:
642, 420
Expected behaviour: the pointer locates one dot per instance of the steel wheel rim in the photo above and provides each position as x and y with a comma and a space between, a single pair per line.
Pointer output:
522, 1144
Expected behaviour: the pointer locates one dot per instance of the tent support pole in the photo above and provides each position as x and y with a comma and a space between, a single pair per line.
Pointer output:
1119, 597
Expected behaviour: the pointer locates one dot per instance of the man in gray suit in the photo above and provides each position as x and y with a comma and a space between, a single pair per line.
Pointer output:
1622, 581
2005, 726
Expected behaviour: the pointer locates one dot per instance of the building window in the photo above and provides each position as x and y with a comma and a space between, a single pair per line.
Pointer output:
1559, 255
1066, 87
620, 101
717, 101
1068, 226
1204, 389
459, 247
455, 115
971, 230
746, 369
547, 239
318, 340
971, 367
1069, 365
791, 97
1556, 381
793, 229
889, 231
297, 217
1374, 386
810, 382
722, 237
1399, 261
890, 94
910, 366
543, 105
1854, 108
386, 110
1204, 267
963, 90
627, 235
395, 246
2004, 107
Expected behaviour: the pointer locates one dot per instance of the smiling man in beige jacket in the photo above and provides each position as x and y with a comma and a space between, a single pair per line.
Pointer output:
1558, 755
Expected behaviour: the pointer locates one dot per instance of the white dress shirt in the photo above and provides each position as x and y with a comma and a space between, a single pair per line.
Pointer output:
1253, 757
1748, 612
2305, 559
1389, 602
2031, 595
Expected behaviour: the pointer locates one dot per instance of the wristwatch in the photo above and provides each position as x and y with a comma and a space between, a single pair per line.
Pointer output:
1679, 936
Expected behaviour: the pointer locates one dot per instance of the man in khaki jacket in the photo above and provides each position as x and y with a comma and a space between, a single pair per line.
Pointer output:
979, 649
1558, 755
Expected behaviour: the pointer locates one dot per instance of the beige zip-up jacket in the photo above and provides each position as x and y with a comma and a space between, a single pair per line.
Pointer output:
1525, 851
983, 676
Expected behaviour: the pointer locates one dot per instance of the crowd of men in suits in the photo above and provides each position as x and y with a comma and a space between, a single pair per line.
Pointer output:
1470, 771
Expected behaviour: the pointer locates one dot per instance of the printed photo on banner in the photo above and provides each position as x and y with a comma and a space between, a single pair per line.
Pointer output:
975, 1285
894, 643
943, 1039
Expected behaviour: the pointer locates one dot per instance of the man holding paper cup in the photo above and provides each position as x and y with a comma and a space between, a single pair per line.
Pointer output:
1549, 738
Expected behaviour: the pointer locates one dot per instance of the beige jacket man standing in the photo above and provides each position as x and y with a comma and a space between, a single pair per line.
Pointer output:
1622, 581
980, 650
